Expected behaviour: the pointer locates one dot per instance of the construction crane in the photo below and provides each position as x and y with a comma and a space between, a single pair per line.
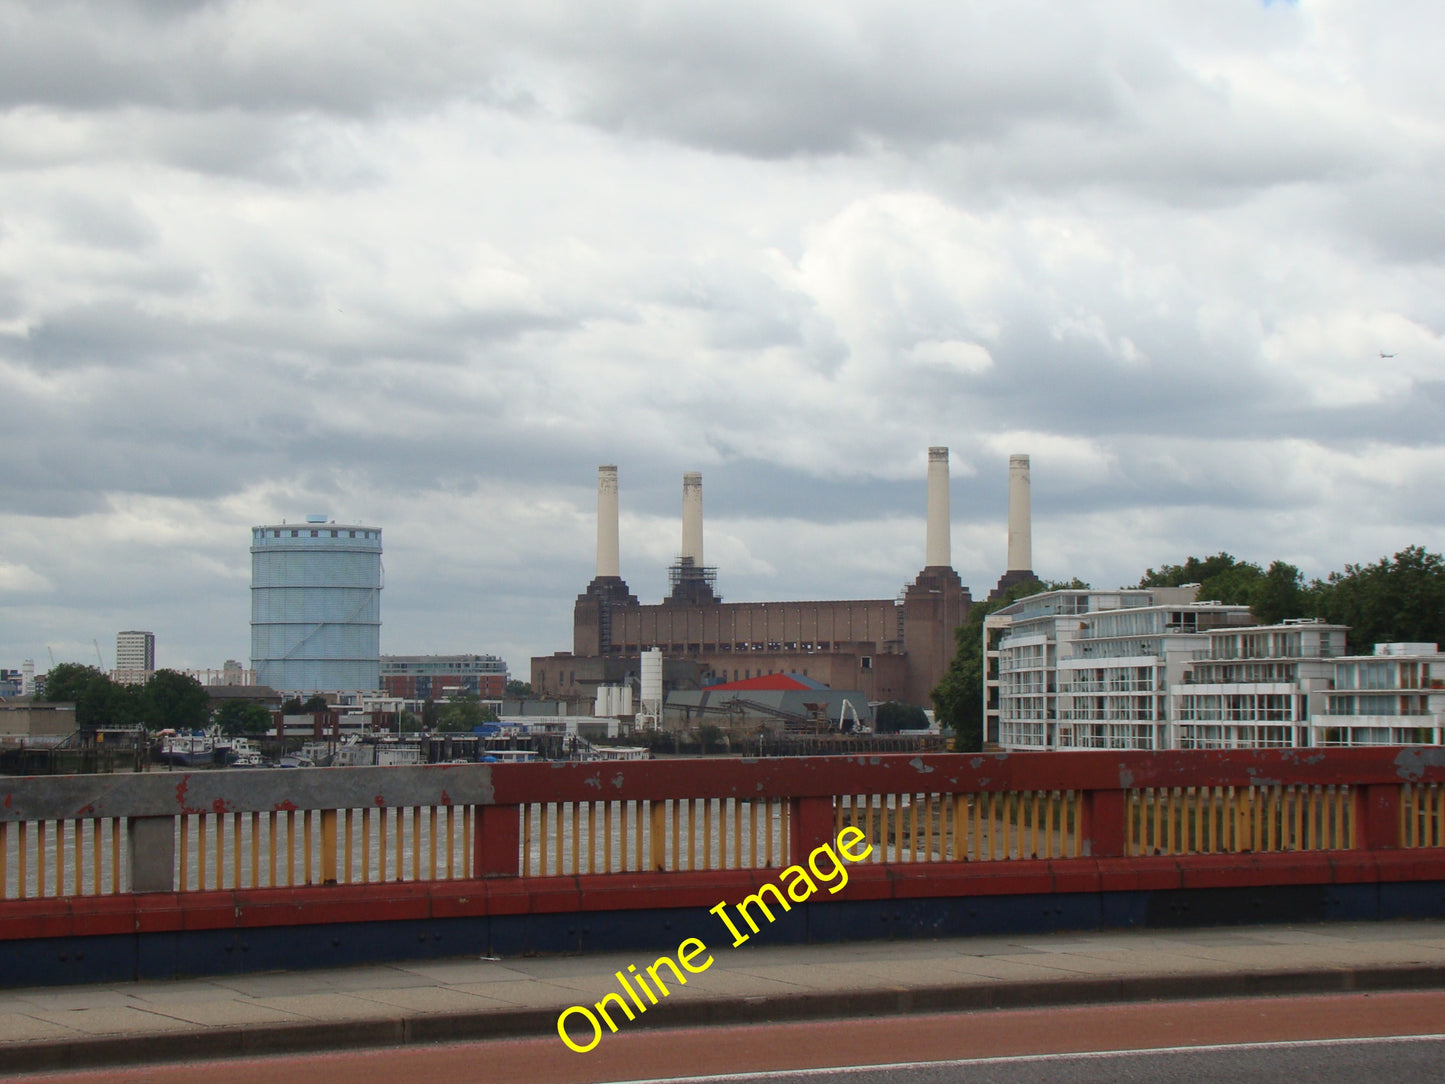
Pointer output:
97, 654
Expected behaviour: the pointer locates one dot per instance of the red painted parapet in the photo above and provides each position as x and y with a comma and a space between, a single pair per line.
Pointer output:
626, 829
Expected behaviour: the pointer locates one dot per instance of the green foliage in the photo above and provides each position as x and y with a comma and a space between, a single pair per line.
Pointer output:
316, 702
710, 738
173, 700
292, 706
1271, 596
69, 682
1280, 594
519, 688
1399, 599
1193, 570
98, 700
462, 714
893, 716
958, 698
243, 717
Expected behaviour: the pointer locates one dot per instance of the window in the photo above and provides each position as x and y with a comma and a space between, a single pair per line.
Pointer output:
865, 662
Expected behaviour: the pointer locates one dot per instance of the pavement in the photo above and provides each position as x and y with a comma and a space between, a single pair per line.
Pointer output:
469, 998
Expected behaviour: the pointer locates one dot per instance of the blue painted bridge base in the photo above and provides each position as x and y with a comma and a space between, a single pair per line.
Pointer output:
42, 961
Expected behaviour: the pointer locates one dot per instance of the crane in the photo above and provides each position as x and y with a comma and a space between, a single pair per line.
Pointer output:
97, 654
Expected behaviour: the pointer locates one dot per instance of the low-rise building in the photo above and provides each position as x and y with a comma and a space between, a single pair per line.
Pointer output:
36, 722
438, 677
1086, 669
1394, 697
1257, 687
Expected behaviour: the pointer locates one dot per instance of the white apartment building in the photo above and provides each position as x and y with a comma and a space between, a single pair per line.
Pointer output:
1256, 687
135, 656
1085, 669
1394, 697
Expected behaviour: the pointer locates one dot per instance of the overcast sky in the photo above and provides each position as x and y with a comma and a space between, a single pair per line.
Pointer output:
425, 265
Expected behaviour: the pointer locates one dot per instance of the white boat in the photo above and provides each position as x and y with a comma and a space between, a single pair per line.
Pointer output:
187, 749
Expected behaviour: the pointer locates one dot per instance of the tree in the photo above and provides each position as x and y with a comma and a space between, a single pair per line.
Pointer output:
1392, 600
316, 702
242, 717
1193, 570
958, 698
174, 701
519, 688
292, 706
892, 717
70, 682
463, 714
1280, 594
1271, 596
98, 700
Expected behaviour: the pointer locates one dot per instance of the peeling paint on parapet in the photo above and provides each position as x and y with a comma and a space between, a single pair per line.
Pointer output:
1410, 764
1126, 778
617, 780
594, 781
921, 768
975, 763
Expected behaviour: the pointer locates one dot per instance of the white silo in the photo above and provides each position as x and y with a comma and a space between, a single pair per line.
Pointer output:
651, 687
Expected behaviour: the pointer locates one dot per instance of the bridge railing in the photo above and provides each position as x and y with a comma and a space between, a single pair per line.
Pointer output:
235, 831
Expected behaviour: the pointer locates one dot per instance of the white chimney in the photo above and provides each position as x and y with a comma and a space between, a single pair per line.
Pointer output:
1020, 533
692, 517
937, 548
607, 545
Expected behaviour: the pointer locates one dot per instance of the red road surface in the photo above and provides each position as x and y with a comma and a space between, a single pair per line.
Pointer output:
874, 1041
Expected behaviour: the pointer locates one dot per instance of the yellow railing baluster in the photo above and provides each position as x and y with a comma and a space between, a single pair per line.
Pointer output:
201, 885
559, 824
95, 849
40, 858
657, 859
184, 880
328, 846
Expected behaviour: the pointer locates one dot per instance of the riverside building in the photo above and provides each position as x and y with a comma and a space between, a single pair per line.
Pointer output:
1086, 669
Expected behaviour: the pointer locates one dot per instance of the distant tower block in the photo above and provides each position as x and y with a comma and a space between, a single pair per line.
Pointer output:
608, 563
937, 546
1020, 534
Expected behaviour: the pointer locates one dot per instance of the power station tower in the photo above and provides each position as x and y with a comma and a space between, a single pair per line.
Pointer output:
316, 606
